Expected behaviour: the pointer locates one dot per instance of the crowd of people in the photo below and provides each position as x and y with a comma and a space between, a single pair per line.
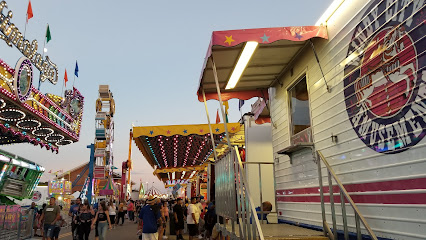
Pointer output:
152, 215
200, 218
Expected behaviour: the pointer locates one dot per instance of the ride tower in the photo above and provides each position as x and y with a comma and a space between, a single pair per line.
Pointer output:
101, 164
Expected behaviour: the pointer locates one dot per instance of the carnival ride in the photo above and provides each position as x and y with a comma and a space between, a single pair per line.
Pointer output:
180, 153
18, 176
101, 160
29, 116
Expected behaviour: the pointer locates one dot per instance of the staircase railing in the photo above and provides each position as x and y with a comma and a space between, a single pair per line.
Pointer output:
233, 199
344, 196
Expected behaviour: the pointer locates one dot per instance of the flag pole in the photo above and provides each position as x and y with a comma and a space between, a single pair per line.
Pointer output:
26, 20
42, 56
73, 81
62, 91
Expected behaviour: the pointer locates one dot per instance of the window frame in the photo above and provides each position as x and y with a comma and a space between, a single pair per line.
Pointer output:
293, 84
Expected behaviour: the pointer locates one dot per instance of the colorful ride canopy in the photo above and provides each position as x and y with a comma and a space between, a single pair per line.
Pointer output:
180, 151
27, 115
273, 49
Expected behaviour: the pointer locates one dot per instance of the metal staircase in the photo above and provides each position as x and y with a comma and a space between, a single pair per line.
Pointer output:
344, 197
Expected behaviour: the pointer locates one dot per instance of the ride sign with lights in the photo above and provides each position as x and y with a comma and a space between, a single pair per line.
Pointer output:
12, 36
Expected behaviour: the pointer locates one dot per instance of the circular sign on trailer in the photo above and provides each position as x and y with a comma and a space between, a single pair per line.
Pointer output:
23, 79
36, 196
385, 88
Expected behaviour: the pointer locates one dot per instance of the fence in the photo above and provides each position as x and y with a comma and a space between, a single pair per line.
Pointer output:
16, 223
236, 203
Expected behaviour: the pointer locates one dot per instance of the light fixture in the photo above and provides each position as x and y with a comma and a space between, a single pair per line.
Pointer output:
242, 62
329, 12
173, 175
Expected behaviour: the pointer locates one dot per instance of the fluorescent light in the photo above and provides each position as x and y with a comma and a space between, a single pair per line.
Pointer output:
173, 175
243, 60
192, 174
329, 12
4, 158
183, 174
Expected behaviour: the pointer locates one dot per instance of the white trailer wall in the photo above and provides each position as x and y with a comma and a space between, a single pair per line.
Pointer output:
352, 160
258, 142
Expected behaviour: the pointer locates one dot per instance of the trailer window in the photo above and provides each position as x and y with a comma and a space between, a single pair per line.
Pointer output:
299, 103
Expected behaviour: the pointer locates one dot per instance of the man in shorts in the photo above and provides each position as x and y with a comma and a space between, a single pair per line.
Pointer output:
149, 216
193, 218
51, 214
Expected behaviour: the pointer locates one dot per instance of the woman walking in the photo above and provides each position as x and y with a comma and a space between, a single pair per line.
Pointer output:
163, 220
112, 213
121, 214
83, 220
102, 218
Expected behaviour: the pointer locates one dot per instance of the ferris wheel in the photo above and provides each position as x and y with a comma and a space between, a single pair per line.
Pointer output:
103, 158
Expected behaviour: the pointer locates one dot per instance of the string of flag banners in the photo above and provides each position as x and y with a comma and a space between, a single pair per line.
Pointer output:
48, 37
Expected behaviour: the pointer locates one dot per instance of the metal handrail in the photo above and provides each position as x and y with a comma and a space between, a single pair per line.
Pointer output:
251, 204
343, 194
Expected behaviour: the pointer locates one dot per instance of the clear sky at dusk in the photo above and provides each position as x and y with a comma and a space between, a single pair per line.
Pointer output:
149, 52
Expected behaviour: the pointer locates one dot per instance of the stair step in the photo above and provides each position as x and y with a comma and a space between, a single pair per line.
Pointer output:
298, 238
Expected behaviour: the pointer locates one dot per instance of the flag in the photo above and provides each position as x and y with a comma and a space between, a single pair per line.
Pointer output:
76, 69
217, 117
65, 78
29, 11
226, 110
240, 104
48, 36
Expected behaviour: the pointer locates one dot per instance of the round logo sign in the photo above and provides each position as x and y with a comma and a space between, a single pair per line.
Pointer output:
36, 196
23, 78
385, 88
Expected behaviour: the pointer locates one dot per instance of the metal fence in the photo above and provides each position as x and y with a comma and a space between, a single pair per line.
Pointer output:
16, 224
234, 202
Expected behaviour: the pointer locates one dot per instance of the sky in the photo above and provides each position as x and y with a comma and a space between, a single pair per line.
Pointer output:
150, 53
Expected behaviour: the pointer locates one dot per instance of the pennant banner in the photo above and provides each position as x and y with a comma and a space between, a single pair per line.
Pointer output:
29, 11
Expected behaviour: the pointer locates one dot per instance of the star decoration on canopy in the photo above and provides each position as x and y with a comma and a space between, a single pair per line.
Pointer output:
151, 132
265, 38
185, 131
168, 132
201, 130
229, 40
217, 129
298, 36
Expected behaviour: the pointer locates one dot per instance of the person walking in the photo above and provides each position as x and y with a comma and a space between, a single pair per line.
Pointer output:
83, 221
149, 217
59, 224
193, 218
103, 220
34, 210
162, 225
131, 210
165, 213
112, 213
179, 218
121, 214
73, 211
50, 215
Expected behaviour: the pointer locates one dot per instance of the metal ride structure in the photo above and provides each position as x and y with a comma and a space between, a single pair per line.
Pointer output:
29, 116
180, 153
101, 157
18, 176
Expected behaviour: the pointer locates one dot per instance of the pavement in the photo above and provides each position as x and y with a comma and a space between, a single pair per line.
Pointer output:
127, 231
